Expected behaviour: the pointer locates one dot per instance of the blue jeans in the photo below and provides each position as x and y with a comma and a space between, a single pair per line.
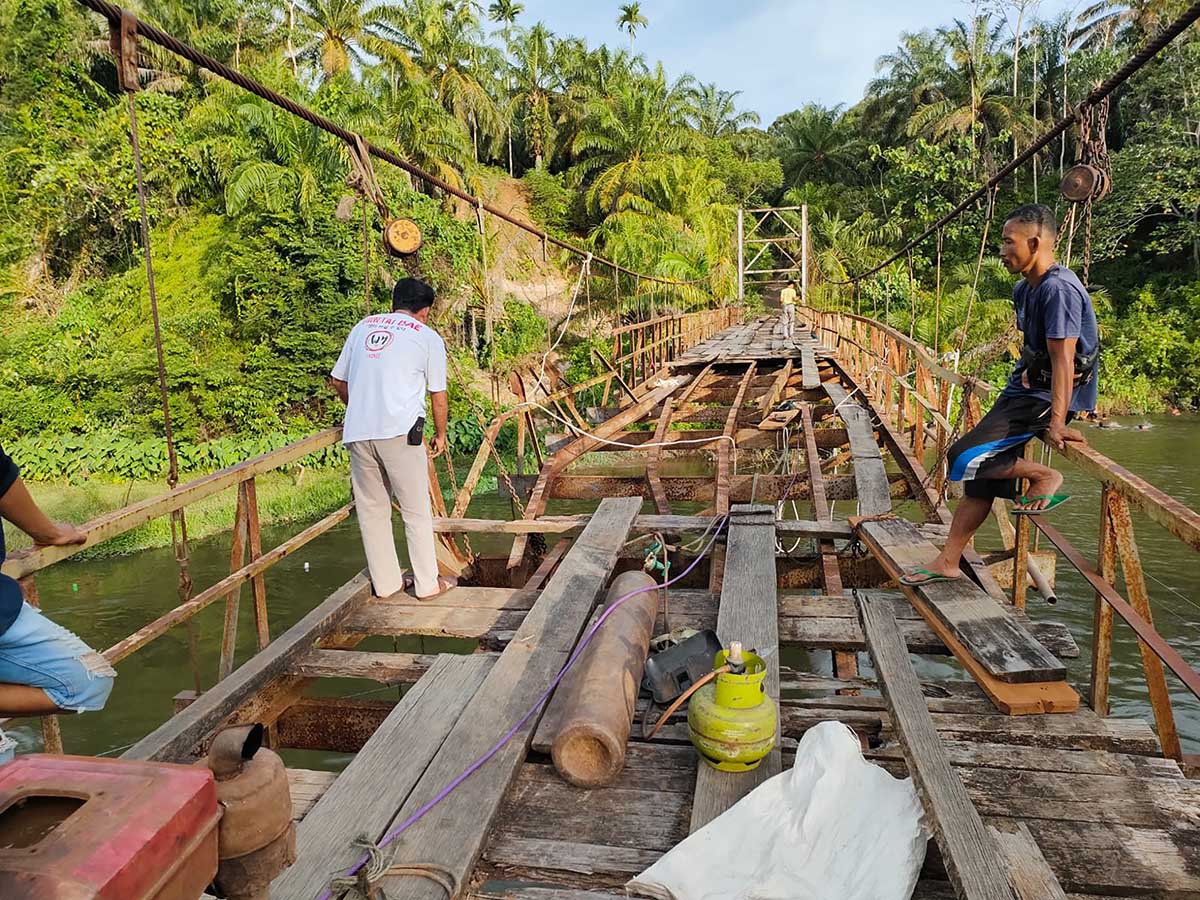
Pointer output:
35, 651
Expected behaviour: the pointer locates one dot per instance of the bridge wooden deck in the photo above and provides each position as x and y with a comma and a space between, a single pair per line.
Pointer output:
1089, 802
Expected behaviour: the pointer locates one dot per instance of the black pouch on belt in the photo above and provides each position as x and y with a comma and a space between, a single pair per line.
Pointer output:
416, 434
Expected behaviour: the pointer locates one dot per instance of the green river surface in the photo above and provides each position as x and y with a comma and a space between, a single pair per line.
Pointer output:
106, 600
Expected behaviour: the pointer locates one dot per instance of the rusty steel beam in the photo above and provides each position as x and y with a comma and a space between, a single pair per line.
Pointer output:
1145, 630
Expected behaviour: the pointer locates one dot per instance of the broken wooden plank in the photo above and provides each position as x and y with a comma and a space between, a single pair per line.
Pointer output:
365, 797
724, 453
453, 833
661, 503
175, 740
307, 786
748, 613
992, 637
970, 853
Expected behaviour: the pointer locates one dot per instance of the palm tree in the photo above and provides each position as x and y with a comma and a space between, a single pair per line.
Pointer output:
426, 134
533, 92
905, 80
347, 33
450, 50
505, 14
814, 143
1099, 25
973, 96
630, 20
715, 112
621, 136
291, 162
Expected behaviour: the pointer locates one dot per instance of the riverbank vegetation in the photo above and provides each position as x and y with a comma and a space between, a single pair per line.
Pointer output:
257, 238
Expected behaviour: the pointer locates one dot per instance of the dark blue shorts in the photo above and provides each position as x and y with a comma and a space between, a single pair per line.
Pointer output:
995, 444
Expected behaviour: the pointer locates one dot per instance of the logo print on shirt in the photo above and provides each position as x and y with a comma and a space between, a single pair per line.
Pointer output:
378, 340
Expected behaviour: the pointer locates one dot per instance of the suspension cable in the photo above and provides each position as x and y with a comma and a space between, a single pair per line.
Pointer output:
113, 13
1148, 51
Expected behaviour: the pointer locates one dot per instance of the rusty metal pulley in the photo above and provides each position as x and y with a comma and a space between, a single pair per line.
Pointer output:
402, 237
1085, 183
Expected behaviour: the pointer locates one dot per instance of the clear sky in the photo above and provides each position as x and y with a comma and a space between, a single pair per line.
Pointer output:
780, 54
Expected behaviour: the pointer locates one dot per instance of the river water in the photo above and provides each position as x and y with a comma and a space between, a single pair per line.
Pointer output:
105, 600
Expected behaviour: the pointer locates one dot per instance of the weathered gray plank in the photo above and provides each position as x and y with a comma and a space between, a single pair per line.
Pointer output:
452, 835
993, 637
748, 613
175, 739
808, 368
970, 854
874, 492
366, 796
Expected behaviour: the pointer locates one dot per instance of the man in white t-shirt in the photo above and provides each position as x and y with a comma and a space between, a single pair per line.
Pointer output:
388, 363
787, 302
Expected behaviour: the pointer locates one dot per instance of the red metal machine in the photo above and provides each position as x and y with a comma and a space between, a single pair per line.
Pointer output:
81, 828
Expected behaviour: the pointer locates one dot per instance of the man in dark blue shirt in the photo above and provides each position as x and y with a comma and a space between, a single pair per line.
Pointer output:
44, 668
1054, 379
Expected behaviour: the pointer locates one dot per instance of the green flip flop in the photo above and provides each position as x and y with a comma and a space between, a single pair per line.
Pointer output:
1056, 500
927, 577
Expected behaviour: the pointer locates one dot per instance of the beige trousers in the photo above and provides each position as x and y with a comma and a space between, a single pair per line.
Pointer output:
789, 319
378, 471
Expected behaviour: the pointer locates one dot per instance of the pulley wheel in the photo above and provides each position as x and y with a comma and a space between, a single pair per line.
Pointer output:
1083, 183
402, 237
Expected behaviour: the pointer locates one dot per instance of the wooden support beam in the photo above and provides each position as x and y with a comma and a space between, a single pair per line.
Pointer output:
452, 835
661, 503
748, 613
563, 458
969, 851
724, 453
175, 740
778, 389
808, 367
701, 488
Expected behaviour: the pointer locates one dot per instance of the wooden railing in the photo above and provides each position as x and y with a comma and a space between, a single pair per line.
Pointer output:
917, 393
247, 541
643, 348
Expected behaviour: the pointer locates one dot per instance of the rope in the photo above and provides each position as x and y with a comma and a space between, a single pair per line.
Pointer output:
1150, 50
584, 272
113, 13
365, 882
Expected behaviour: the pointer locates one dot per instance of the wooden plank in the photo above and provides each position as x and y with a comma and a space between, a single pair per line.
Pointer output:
385, 668
874, 495
748, 613
688, 488
778, 389
175, 739
366, 796
452, 834
970, 853
993, 637
307, 786
808, 368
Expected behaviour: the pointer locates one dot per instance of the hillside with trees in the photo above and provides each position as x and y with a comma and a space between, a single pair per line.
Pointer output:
258, 245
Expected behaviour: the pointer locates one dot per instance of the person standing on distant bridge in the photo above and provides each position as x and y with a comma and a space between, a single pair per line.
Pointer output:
1054, 379
387, 365
44, 668
787, 300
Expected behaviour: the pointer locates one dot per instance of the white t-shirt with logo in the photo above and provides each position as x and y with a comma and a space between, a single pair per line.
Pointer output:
389, 362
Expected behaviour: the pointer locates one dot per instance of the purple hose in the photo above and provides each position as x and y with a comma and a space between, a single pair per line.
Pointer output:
471, 769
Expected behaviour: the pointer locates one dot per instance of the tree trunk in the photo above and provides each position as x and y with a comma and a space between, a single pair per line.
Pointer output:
511, 171
291, 46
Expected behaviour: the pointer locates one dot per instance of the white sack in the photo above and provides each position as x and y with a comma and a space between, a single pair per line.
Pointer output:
834, 827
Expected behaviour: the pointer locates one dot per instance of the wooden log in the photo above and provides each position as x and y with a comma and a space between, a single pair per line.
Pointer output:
593, 708
1102, 625
452, 835
748, 613
724, 451
970, 853
366, 796
661, 503
176, 739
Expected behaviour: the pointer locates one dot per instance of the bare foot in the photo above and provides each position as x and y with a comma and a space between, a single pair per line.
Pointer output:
1042, 487
445, 583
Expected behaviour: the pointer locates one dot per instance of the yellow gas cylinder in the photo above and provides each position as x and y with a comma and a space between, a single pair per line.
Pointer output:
731, 720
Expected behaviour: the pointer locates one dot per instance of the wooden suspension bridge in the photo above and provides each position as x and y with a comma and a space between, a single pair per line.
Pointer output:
1032, 789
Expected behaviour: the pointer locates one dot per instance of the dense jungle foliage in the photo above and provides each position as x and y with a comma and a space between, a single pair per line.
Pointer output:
259, 255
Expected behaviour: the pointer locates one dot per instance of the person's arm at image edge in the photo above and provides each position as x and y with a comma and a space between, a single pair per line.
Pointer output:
439, 398
18, 507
